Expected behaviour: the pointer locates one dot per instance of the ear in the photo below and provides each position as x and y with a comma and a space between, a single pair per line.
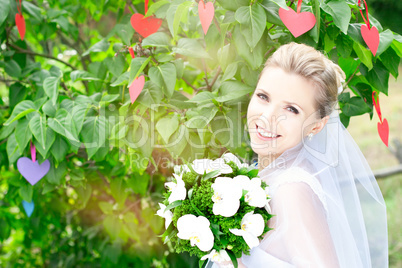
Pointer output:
320, 125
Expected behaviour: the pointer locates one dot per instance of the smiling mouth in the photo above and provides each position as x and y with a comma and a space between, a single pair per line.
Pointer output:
263, 134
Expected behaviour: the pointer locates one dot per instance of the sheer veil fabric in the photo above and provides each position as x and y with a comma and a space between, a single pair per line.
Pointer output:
329, 210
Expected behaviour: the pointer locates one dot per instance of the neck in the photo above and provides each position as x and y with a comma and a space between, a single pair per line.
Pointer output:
265, 160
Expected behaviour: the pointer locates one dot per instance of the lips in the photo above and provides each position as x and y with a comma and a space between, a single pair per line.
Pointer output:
258, 127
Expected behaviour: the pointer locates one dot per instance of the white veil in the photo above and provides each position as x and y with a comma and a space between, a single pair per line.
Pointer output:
356, 211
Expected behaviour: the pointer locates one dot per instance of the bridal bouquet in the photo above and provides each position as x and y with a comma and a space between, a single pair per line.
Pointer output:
215, 209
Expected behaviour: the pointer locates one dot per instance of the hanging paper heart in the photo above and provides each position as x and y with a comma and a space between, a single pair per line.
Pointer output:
377, 106
28, 207
136, 87
145, 26
383, 131
32, 171
206, 13
297, 23
371, 37
20, 22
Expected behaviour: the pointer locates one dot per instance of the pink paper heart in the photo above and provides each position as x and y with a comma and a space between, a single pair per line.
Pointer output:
371, 37
383, 131
206, 13
136, 87
145, 26
32, 171
297, 23
20, 22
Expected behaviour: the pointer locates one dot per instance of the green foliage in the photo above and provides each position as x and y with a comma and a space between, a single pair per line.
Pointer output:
65, 88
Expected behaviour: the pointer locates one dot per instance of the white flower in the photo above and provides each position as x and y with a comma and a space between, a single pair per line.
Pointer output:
231, 157
256, 196
252, 226
165, 214
196, 229
227, 194
207, 165
217, 256
178, 189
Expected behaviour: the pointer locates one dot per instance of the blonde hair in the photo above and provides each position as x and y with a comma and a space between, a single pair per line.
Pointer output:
314, 66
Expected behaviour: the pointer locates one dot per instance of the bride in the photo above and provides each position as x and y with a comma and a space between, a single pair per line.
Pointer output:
329, 211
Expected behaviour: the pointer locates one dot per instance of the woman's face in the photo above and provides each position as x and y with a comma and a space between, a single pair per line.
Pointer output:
282, 104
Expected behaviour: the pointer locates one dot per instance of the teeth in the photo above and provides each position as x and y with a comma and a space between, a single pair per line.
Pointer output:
266, 134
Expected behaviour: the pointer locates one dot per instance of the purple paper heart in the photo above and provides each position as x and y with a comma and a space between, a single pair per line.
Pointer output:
32, 171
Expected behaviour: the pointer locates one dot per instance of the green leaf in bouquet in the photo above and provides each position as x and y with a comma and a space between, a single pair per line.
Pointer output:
173, 205
196, 209
253, 173
233, 258
202, 263
215, 230
211, 174
190, 193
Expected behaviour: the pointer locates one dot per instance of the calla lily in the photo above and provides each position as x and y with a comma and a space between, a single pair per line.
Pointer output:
252, 226
227, 194
168, 215
207, 165
231, 157
217, 256
256, 196
178, 189
196, 229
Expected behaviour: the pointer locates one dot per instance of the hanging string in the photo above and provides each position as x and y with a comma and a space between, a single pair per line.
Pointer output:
146, 6
361, 12
33, 152
19, 7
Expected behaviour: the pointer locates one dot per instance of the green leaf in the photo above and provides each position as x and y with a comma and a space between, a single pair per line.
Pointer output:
12, 68
59, 125
21, 109
391, 61
139, 184
7, 130
94, 133
137, 65
190, 48
386, 38
315, 32
348, 65
32, 10
51, 87
252, 21
37, 125
56, 174
202, 97
378, 77
232, 90
272, 9
125, 32
199, 119
22, 134
364, 55
4, 11
155, 6
233, 5
122, 79
12, 149
101, 46
50, 138
397, 46
106, 207
17, 93
167, 125
173, 205
117, 187
178, 141
340, 12
26, 192
158, 39
344, 45
181, 14
59, 149
116, 64
79, 75
49, 109
165, 77
355, 106
232, 258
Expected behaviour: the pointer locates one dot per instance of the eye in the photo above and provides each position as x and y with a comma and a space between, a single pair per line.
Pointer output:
262, 96
293, 110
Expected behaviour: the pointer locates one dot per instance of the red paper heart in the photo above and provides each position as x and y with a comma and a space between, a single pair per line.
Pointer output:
145, 26
377, 106
383, 131
371, 37
297, 23
136, 87
20, 22
206, 13
131, 52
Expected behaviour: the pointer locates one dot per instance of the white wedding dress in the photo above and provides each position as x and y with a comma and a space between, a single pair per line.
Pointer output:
301, 237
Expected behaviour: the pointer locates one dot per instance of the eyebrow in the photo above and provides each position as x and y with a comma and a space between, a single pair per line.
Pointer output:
287, 102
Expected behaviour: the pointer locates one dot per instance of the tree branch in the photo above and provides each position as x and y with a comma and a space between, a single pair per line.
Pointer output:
40, 55
190, 85
216, 76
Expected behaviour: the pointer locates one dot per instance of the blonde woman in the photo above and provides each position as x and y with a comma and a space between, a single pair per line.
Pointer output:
329, 211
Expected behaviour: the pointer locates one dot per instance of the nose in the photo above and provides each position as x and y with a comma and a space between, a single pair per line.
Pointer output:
271, 117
